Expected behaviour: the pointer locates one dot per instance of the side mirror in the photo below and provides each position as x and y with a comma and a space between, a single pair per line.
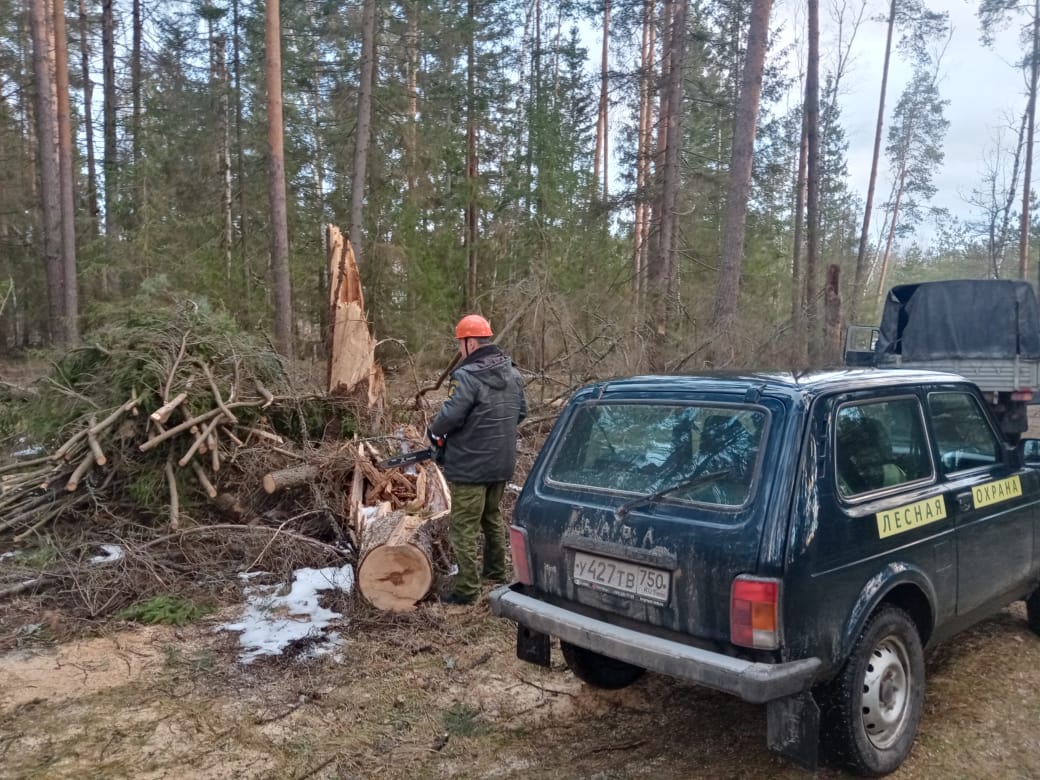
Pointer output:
1030, 451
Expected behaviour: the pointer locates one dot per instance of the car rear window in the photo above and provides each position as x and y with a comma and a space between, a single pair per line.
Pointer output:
644, 448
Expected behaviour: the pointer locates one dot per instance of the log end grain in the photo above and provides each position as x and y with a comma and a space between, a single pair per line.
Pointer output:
395, 577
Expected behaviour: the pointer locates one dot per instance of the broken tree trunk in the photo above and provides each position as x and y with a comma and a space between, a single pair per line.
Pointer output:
395, 564
352, 364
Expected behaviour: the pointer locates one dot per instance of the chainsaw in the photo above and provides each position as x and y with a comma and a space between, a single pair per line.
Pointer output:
407, 459
418, 456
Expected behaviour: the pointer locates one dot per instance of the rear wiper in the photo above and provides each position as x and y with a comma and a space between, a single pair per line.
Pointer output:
694, 481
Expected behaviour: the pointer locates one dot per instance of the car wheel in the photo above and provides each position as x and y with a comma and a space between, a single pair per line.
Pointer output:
871, 710
599, 670
1033, 611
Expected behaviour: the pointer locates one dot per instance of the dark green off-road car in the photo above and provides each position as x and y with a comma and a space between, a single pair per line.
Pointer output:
792, 540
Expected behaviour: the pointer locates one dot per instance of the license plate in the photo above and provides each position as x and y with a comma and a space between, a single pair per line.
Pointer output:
628, 579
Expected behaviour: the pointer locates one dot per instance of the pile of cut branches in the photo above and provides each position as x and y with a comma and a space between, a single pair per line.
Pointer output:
174, 418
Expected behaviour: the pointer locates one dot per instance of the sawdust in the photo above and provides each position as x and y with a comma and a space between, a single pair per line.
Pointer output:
80, 668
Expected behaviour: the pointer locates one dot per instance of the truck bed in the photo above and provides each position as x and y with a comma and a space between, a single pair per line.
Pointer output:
990, 375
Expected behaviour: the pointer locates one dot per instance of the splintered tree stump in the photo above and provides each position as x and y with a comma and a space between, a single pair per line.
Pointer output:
395, 568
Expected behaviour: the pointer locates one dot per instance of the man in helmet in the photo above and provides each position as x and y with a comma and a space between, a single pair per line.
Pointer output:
478, 427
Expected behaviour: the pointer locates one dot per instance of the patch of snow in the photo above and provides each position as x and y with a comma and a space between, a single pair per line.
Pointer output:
271, 621
514, 487
112, 553
33, 451
6, 555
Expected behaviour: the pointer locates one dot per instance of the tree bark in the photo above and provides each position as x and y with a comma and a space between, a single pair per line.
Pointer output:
812, 181
88, 118
472, 159
50, 188
860, 277
283, 317
70, 289
1027, 173
364, 126
797, 275
109, 159
739, 185
599, 163
641, 225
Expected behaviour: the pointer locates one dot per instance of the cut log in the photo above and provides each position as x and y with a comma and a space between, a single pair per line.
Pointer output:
395, 569
283, 478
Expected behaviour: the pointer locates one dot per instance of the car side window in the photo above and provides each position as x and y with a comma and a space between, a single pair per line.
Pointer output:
963, 436
879, 445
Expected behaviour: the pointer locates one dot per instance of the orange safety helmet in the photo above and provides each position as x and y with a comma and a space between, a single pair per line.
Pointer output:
473, 326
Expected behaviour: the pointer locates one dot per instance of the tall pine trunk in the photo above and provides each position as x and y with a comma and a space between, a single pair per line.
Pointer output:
88, 118
643, 157
364, 126
738, 188
109, 161
283, 317
859, 279
1027, 173
472, 162
812, 183
599, 163
70, 290
50, 190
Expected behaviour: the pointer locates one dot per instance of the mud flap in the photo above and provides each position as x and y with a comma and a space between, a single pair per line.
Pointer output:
793, 728
532, 646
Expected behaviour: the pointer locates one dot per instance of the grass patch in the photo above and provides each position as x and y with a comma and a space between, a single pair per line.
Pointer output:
462, 720
164, 610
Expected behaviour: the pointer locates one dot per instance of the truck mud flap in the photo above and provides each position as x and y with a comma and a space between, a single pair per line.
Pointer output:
532, 646
793, 728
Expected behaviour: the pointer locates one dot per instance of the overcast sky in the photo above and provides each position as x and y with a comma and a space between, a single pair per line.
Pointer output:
982, 85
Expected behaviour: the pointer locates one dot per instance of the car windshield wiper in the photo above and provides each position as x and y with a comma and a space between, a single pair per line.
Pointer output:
695, 481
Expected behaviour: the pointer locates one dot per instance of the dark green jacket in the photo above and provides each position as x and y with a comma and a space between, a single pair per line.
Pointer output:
485, 404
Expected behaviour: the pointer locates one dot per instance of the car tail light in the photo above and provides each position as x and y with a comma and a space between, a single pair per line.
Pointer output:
521, 555
754, 613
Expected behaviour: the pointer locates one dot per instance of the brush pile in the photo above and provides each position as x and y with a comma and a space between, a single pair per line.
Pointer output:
175, 418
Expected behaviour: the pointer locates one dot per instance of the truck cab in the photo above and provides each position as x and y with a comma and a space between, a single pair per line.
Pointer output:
794, 540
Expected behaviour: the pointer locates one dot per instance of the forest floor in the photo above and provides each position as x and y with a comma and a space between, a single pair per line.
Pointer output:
439, 693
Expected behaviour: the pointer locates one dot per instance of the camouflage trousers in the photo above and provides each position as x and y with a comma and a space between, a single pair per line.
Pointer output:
475, 510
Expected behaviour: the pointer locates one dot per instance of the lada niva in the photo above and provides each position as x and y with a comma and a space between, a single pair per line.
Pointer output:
794, 540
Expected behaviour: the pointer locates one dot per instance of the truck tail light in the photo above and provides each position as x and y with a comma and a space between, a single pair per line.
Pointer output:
754, 612
1022, 395
521, 555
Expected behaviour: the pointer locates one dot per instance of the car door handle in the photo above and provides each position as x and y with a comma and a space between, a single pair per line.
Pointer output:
964, 502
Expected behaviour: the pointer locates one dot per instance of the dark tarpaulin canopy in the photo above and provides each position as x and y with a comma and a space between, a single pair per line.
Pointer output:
988, 318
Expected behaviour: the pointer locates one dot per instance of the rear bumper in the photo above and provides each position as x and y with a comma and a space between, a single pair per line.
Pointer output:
749, 680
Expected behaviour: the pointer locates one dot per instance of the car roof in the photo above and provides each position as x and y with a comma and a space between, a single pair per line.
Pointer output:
791, 384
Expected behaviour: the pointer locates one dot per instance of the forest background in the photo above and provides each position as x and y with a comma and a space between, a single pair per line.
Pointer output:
673, 199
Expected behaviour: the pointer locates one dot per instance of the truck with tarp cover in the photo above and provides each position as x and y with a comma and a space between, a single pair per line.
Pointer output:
986, 330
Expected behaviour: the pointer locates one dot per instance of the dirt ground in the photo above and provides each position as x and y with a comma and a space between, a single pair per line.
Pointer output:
438, 693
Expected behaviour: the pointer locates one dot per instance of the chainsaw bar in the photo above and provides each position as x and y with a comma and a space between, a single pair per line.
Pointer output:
406, 459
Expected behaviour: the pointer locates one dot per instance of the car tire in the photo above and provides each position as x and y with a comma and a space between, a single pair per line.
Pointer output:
870, 712
598, 670
1033, 611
